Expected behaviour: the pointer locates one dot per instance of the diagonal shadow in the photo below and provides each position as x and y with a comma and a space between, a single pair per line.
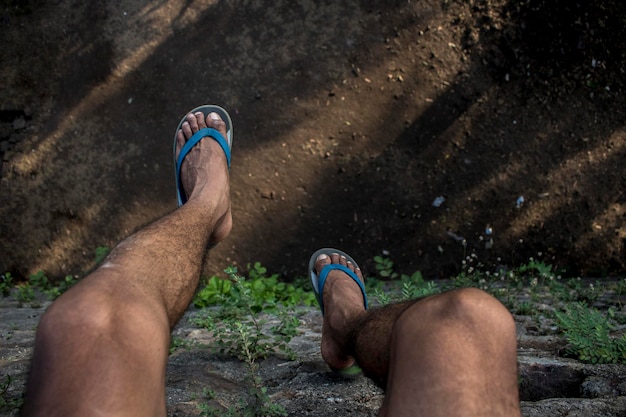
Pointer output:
322, 156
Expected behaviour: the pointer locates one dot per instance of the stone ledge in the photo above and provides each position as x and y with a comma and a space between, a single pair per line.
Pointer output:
549, 385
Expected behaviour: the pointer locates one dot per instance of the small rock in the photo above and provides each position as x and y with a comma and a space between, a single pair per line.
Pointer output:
597, 387
19, 124
439, 201
268, 194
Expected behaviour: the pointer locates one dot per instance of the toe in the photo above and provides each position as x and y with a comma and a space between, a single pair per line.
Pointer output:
215, 121
186, 130
201, 121
335, 258
321, 262
193, 122
183, 134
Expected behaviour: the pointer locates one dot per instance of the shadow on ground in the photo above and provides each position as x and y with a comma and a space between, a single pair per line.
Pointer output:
351, 118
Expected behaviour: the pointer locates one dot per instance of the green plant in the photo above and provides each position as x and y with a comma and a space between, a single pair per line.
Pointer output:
265, 293
25, 293
414, 286
207, 410
7, 404
382, 297
620, 289
101, 253
263, 408
68, 282
384, 266
240, 330
537, 267
6, 283
212, 292
178, 343
467, 278
410, 287
40, 281
523, 308
588, 333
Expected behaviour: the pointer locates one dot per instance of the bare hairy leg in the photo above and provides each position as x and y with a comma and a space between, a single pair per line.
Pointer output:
450, 354
101, 348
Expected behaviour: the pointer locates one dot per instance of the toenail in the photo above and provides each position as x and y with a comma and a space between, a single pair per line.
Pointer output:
214, 116
322, 257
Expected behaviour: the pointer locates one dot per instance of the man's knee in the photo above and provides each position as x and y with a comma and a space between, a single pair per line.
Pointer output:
469, 307
75, 317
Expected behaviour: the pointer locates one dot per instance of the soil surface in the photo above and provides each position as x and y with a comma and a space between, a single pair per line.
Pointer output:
352, 118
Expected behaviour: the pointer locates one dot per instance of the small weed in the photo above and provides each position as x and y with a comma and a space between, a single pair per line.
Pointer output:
524, 308
180, 343
66, 284
537, 268
39, 283
588, 332
8, 405
382, 297
213, 291
101, 253
620, 290
25, 293
240, 330
6, 283
264, 293
384, 267
414, 286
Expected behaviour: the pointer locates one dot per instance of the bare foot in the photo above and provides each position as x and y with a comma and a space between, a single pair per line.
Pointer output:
204, 172
343, 304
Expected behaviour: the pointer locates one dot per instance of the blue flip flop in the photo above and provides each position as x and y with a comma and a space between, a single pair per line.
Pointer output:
318, 281
225, 143
318, 288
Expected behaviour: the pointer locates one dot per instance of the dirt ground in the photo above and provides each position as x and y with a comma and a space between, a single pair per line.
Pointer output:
351, 118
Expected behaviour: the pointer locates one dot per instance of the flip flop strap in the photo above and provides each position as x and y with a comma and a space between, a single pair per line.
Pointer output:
324, 274
195, 138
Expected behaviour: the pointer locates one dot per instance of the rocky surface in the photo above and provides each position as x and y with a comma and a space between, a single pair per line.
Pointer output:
549, 385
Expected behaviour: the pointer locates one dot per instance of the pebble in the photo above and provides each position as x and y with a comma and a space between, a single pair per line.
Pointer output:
19, 124
439, 201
